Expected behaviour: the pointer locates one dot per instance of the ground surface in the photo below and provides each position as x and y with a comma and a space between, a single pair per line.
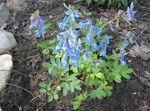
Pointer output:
131, 95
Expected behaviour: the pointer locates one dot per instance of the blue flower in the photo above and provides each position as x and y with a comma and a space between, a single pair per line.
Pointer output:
130, 13
111, 27
124, 45
64, 62
34, 22
86, 54
74, 61
107, 39
63, 24
85, 24
104, 49
94, 44
96, 30
88, 38
132, 39
65, 45
37, 22
122, 61
71, 12
58, 47
40, 27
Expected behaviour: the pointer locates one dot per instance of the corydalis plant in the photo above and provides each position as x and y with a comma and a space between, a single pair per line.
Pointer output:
81, 59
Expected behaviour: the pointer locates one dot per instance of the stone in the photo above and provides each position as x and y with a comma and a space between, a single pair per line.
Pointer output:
6, 66
16, 5
7, 41
4, 14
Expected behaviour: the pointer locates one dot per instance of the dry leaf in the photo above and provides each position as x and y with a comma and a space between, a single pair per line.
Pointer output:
142, 51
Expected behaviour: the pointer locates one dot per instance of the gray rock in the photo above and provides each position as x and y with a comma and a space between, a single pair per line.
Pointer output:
4, 14
6, 66
7, 41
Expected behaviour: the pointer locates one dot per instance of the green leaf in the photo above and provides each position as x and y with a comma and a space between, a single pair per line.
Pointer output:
100, 75
79, 99
65, 87
42, 85
117, 78
46, 65
50, 98
88, 2
42, 90
55, 96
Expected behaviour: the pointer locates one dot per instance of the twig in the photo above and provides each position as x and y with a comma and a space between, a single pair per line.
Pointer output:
20, 88
16, 72
143, 80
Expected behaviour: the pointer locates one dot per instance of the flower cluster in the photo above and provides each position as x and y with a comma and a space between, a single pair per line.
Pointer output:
69, 41
73, 46
37, 23
130, 13
131, 38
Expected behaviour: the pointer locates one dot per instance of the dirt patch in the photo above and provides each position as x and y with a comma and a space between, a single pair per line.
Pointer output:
131, 95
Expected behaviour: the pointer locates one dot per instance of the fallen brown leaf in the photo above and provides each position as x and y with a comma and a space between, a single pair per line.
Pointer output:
142, 51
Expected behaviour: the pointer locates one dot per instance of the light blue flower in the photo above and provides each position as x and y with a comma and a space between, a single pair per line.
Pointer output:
63, 23
86, 54
58, 47
130, 13
41, 30
88, 38
107, 39
64, 62
96, 30
122, 60
34, 22
37, 22
124, 45
132, 39
85, 24
65, 45
94, 45
74, 61
104, 49
111, 27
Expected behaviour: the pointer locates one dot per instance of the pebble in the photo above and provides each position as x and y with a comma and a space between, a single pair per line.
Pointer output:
7, 41
6, 66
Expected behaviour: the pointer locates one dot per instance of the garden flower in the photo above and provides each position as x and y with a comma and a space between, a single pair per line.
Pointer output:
96, 30
58, 47
94, 44
65, 45
37, 22
86, 54
85, 24
122, 61
130, 13
107, 39
63, 24
111, 27
74, 61
104, 49
90, 36
64, 62
132, 39
124, 45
